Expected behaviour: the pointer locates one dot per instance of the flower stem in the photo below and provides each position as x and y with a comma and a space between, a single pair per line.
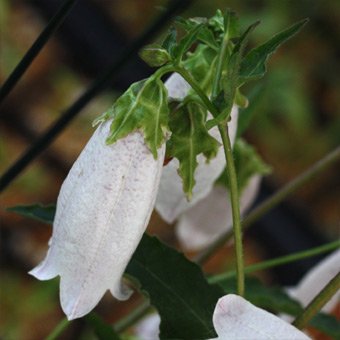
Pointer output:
235, 207
279, 261
58, 330
197, 88
237, 229
318, 302
274, 200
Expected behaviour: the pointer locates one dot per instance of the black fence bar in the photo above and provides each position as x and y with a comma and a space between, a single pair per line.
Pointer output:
37, 46
96, 87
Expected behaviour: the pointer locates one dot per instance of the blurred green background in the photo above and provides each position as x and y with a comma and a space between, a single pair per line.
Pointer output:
296, 122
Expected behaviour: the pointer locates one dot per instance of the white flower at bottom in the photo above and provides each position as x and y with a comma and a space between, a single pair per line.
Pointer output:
210, 218
103, 208
236, 318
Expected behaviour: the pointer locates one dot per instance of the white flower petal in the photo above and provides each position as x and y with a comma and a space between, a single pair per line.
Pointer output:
316, 279
171, 201
211, 217
177, 87
236, 318
148, 328
103, 208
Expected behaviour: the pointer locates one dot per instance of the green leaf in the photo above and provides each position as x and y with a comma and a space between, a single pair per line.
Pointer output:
44, 213
154, 55
177, 288
253, 65
205, 35
247, 163
190, 138
247, 114
328, 324
185, 43
170, 41
201, 65
230, 78
143, 106
241, 100
231, 24
101, 329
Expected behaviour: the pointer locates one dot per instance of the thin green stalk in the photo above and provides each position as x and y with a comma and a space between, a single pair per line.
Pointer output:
58, 330
279, 261
274, 200
235, 207
318, 302
231, 175
193, 83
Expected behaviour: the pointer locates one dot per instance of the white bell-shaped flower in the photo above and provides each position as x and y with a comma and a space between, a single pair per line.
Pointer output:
315, 280
206, 221
171, 200
103, 208
236, 318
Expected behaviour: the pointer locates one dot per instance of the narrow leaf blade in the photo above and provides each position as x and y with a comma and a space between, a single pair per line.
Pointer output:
43, 213
253, 65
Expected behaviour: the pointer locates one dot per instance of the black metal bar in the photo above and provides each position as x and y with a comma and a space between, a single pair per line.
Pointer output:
34, 50
98, 85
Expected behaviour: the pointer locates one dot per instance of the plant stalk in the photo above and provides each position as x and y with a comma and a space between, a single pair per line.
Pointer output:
279, 261
58, 330
235, 207
318, 302
274, 200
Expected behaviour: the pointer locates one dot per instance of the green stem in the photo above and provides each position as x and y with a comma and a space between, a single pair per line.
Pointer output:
279, 261
197, 88
318, 302
220, 61
58, 330
235, 207
274, 200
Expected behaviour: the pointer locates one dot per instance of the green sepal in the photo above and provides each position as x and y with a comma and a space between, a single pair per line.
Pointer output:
241, 100
205, 35
253, 65
154, 55
185, 43
170, 41
231, 24
247, 163
201, 65
247, 114
190, 138
230, 78
103, 117
143, 106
